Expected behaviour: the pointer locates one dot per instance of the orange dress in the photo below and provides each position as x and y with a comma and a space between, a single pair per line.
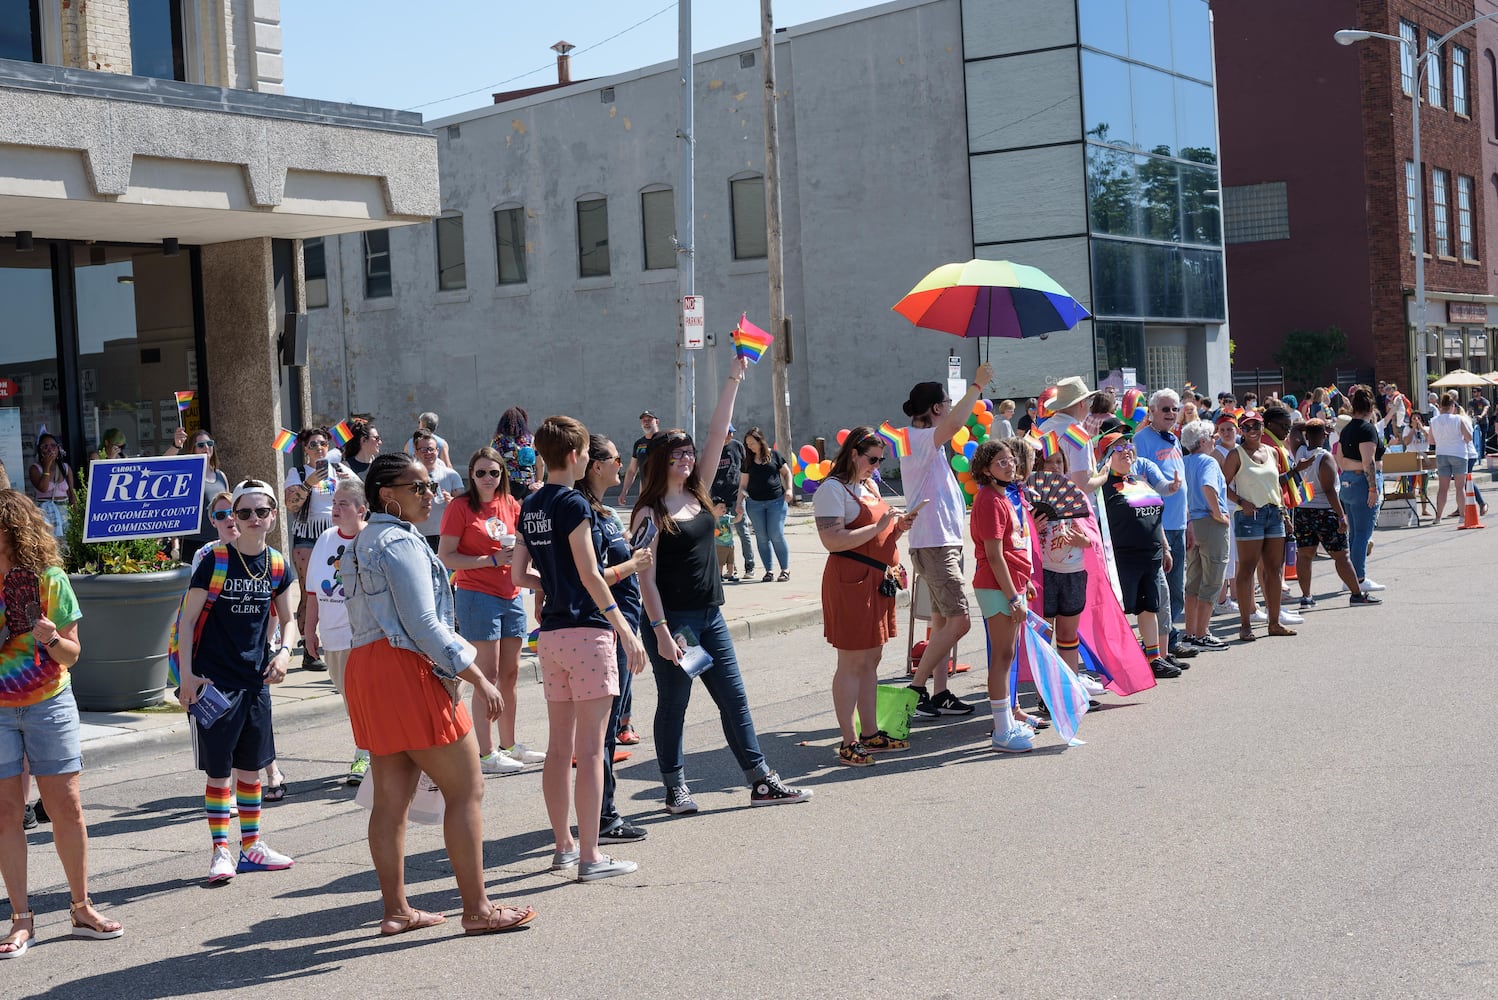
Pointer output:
854, 614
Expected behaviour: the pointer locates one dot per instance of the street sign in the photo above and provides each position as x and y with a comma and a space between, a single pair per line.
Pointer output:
144, 497
693, 322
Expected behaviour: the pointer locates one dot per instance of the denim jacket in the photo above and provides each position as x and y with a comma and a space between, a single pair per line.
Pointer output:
397, 590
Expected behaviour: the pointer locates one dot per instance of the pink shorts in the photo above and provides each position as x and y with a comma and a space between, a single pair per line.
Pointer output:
578, 664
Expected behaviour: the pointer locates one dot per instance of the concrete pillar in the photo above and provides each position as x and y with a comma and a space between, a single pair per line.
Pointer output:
241, 327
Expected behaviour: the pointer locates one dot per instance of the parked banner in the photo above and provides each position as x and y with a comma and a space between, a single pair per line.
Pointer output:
144, 497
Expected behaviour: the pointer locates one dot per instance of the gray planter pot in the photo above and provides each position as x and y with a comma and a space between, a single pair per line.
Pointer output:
125, 630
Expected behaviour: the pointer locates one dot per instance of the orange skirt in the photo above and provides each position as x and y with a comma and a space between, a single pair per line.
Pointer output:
396, 703
854, 614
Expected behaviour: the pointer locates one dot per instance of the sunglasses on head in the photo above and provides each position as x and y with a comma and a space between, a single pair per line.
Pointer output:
419, 488
245, 513
485, 473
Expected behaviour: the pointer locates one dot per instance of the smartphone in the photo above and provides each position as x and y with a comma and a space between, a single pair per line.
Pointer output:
322, 465
918, 506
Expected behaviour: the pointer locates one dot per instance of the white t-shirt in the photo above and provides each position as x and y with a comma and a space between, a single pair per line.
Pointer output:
1312, 475
451, 481
834, 498
1057, 553
1078, 458
1446, 433
927, 475
326, 584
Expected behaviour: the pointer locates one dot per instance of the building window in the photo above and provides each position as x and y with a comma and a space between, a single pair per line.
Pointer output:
1459, 59
1256, 212
1464, 218
593, 238
452, 269
1435, 73
21, 31
658, 220
377, 264
1411, 200
750, 241
509, 245
1442, 226
156, 39
1492, 84
315, 272
1409, 39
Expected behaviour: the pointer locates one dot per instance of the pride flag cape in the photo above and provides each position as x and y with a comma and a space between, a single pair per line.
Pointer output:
898, 438
1109, 647
285, 441
749, 341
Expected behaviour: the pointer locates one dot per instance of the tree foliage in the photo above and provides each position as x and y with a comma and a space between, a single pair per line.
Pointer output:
1307, 356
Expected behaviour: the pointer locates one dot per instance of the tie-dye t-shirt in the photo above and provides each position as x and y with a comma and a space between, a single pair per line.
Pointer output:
28, 674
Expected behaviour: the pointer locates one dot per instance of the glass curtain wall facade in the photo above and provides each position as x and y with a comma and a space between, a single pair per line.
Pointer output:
1154, 214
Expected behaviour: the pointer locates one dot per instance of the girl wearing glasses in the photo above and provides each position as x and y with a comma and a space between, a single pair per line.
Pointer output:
51, 483
214, 482
858, 608
401, 690
309, 497
478, 545
683, 596
230, 649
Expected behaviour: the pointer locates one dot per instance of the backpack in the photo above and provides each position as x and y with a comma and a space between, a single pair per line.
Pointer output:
220, 555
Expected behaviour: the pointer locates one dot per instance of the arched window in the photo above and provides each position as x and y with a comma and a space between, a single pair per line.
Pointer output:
1492, 85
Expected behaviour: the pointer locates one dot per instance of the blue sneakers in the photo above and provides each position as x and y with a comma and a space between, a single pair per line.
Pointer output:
1016, 740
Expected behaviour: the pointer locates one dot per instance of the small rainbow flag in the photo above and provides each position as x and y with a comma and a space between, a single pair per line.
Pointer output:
898, 438
1077, 435
343, 433
184, 399
1050, 444
749, 341
285, 441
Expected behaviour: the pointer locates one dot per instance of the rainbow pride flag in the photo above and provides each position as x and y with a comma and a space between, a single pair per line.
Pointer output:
285, 441
749, 341
1050, 444
184, 399
898, 438
1077, 435
342, 433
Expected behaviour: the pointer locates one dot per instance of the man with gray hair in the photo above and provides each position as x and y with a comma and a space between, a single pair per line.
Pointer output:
428, 422
1157, 442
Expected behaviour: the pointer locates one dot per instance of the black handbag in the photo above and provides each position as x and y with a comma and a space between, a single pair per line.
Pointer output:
893, 581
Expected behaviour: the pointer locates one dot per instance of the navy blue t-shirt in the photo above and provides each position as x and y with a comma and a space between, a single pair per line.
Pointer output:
627, 590
234, 649
547, 519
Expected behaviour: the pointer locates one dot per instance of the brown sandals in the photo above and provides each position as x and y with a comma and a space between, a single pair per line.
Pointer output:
413, 921
499, 919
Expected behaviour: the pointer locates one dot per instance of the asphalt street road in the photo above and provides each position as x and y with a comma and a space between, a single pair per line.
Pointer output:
1307, 817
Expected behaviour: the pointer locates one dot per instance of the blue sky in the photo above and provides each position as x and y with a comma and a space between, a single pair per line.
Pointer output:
400, 54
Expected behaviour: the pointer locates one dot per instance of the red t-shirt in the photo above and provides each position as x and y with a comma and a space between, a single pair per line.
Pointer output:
471, 529
993, 517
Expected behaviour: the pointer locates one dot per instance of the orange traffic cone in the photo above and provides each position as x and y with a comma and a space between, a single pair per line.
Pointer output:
1469, 512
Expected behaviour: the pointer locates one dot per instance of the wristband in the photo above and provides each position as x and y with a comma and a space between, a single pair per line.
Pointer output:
53, 641
611, 607
280, 650
494, 559
615, 570
658, 623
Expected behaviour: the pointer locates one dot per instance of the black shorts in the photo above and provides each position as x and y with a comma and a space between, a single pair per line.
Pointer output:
240, 738
1317, 526
1136, 582
1065, 594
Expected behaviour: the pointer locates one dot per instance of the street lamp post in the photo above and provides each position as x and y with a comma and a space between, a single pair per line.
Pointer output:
1349, 36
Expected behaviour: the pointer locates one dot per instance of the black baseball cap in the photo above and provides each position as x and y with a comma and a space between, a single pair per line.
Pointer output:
647, 413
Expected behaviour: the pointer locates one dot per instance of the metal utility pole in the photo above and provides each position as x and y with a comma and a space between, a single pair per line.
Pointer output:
686, 361
779, 375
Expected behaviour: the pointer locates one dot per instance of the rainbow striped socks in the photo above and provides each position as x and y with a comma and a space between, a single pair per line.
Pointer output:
247, 797
1151, 653
216, 804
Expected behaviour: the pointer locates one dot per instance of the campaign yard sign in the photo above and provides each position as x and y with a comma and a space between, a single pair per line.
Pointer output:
144, 497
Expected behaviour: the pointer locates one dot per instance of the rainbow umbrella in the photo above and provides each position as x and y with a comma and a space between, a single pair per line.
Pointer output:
991, 298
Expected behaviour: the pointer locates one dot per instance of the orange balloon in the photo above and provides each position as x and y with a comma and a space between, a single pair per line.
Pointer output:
979, 409
826, 467
971, 487
985, 418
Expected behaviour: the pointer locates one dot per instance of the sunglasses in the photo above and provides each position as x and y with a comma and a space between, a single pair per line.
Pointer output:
683, 454
608, 458
245, 513
316, 443
375, 437
485, 473
205, 443
873, 459
221, 515
429, 488
1125, 446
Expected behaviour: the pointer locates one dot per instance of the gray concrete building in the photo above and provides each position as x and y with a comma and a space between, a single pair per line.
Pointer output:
155, 186
1077, 136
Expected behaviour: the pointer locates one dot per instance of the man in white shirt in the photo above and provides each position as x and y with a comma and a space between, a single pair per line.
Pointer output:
1072, 401
936, 538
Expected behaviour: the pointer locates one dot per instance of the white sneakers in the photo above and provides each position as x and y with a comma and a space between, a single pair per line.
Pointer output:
499, 762
221, 868
525, 754
1369, 586
1227, 607
1259, 617
1091, 685
1288, 617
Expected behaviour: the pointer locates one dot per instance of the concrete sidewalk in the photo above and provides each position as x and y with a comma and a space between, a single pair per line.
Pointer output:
753, 609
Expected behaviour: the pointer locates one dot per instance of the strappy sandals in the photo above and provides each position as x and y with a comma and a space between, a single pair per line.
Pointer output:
499, 919
97, 929
18, 948
413, 921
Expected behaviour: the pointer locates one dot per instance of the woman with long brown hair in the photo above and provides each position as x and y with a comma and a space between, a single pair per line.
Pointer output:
478, 545
766, 485
39, 724
682, 594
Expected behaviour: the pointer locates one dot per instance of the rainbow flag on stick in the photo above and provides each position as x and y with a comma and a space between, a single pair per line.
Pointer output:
898, 438
1077, 435
184, 399
749, 341
285, 441
1050, 444
342, 433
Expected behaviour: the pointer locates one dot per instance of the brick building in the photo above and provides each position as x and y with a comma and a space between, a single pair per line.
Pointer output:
1319, 181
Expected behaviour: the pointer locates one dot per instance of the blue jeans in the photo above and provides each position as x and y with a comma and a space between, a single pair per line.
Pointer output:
724, 685
744, 542
769, 530
1476, 492
610, 815
1174, 610
1360, 517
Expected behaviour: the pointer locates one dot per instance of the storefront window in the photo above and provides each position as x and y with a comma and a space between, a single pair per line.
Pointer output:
136, 343
28, 358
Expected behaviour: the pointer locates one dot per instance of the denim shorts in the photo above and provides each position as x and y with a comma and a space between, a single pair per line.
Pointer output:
1450, 465
45, 734
484, 618
1267, 522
